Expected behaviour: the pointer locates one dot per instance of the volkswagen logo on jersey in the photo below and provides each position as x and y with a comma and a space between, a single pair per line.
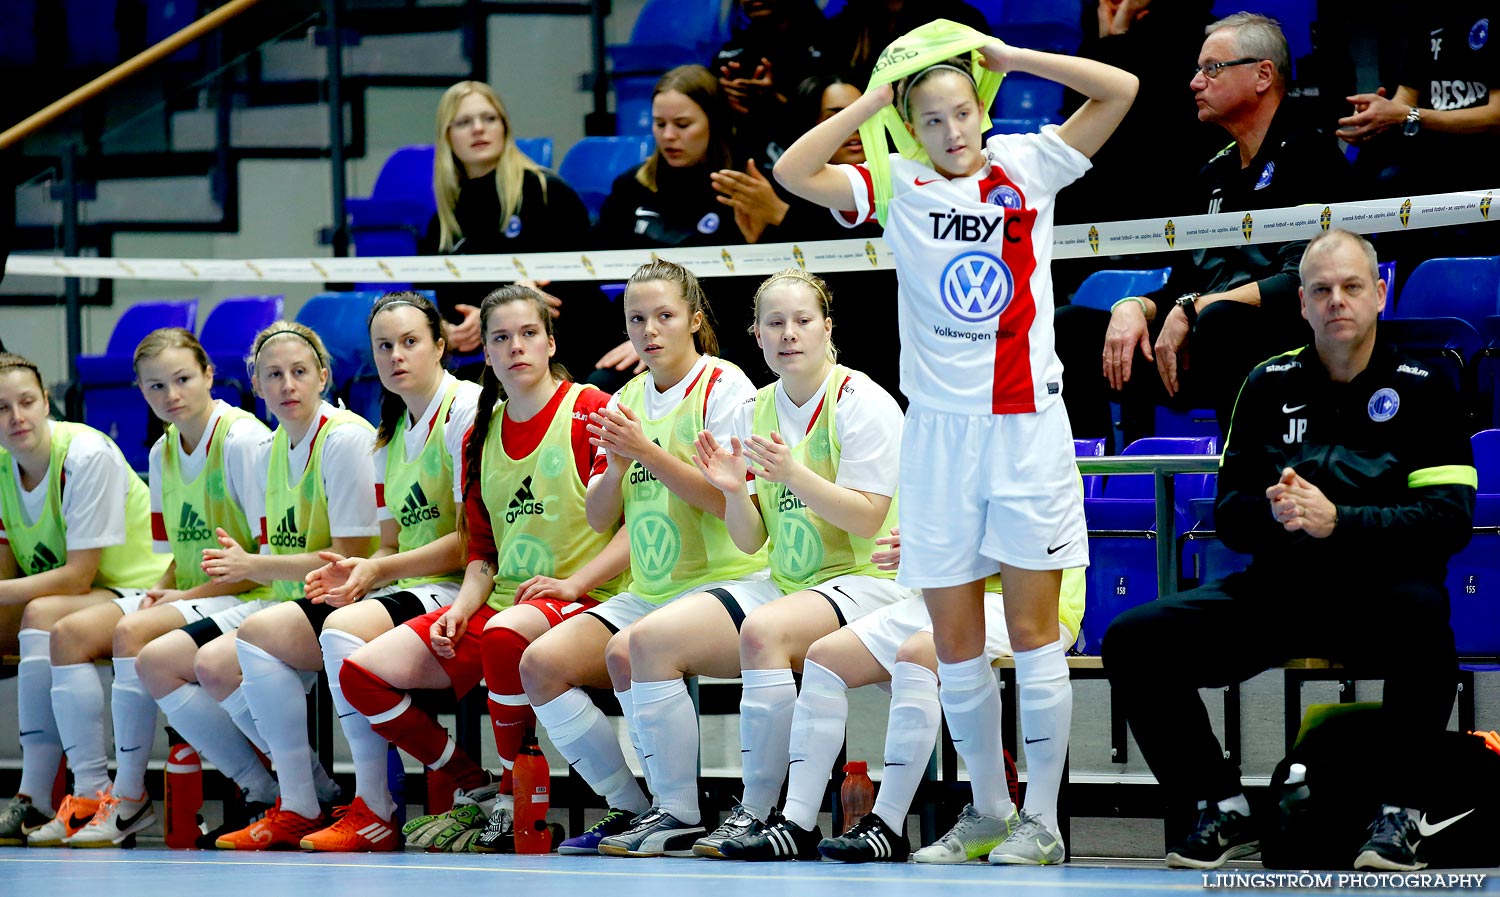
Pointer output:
708, 223
513, 227
1326, 218
1405, 212
1479, 35
655, 544
976, 287
1383, 405
1004, 195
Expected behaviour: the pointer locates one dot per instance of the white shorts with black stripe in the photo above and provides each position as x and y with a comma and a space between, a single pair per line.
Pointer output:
855, 596
748, 593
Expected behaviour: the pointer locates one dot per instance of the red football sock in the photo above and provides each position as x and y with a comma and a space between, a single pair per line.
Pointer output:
510, 712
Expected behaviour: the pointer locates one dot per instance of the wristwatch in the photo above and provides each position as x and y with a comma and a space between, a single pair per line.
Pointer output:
1413, 122
1186, 303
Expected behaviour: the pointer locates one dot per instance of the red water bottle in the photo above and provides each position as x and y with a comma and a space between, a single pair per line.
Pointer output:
533, 786
184, 794
857, 795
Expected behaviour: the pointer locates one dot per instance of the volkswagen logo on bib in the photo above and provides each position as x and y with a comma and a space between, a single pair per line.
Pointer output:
976, 287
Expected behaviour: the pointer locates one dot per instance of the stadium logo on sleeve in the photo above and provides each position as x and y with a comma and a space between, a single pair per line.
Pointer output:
1005, 196
1383, 405
1405, 212
1170, 232
708, 223
1247, 226
513, 227
1094, 239
1326, 218
976, 287
1479, 35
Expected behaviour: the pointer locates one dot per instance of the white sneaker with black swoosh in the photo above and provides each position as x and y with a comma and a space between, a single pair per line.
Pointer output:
116, 820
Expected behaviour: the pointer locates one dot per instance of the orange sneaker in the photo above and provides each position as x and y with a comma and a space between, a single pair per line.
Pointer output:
73, 814
358, 830
277, 830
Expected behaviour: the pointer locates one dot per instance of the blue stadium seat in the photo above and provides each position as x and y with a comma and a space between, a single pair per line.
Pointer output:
394, 218
92, 38
666, 34
593, 163
1296, 18
339, 318
1102, 289
1029, 97
1447, 344
1466, 288
1038, 24
633, 104
1486, 367
227, 336
18, 34
1388, 274
1474, 573
1090, 448
1192, 422
1015, 126
111, 401
1122, 534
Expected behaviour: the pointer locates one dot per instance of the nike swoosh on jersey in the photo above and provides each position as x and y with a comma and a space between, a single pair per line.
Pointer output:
921, 183
1429, 829
643, 212
1292, 409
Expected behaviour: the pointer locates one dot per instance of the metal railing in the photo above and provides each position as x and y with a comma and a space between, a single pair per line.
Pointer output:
1161, 468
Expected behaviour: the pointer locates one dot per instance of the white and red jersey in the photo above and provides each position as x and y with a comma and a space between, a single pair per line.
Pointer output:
974, 263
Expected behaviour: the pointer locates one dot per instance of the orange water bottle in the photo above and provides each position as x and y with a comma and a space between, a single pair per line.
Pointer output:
533, 785
184, 794
857, 795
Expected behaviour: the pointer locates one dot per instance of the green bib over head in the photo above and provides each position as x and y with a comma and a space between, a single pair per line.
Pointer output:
937, 41
297, 512
536, 508
419, 493
43, 544
192, 510
806, 549
673, 545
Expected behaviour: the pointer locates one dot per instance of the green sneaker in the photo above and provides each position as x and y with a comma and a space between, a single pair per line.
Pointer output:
972, 837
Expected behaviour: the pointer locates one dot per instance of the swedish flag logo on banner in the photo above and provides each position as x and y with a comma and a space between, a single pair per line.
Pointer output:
1325, 219
587, 265
728, 260
798, 257
1247, 226
520, 268
1484, 206
1405, 212
1094, 239
871, 254
1170, 231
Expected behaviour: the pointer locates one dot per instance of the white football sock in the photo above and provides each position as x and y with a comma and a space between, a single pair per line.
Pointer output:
910, 734
41, 747
669, 743
817, 734
971, 703
134, 713
274, 692
78, 704
766, 702
588, 742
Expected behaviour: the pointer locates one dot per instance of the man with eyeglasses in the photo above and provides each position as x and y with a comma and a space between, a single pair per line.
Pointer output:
1227, 308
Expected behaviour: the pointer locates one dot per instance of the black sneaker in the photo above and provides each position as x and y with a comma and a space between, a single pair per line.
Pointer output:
786, 840
740, 824
1219, 836
869, 840
1394, 839
587, 844
238, 814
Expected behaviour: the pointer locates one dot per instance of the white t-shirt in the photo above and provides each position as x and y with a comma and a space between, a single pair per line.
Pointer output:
974, 263
93, 472
725, 396
244, 445
460, 419
348, 477
868, 422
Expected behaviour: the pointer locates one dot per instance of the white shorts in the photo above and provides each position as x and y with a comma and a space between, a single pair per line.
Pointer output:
748, 593
855, 596
885, 631
981, 490
230, 618
433, 595
193, 609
